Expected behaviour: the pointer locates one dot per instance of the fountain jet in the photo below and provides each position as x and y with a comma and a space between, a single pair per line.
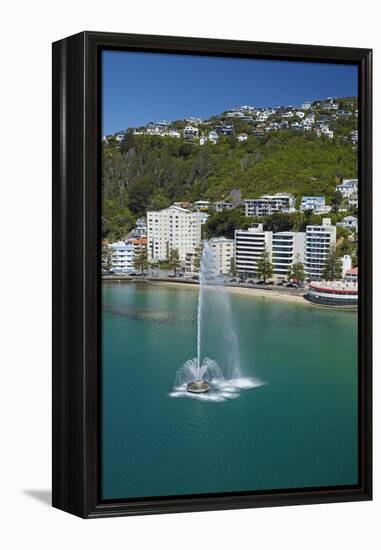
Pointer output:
202, 375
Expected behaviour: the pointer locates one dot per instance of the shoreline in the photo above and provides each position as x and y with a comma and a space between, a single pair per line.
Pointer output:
254, 292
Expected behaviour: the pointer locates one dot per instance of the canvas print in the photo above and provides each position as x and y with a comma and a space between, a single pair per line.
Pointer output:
229, 275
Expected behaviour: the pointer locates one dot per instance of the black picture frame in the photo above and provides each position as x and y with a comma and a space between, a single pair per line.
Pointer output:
76, 276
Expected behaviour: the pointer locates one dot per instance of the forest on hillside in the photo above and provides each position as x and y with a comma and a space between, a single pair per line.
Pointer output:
151, 172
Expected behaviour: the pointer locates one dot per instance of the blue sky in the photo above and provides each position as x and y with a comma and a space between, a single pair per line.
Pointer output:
143, 87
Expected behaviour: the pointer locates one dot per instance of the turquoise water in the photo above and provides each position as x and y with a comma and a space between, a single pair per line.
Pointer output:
298, 429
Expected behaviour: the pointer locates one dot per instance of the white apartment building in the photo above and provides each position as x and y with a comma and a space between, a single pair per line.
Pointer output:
172, 228
223, 254
190, 132
317, 204
122, 256
319, 241
287, 248
268, 204
348, 188
249, 245
349, 222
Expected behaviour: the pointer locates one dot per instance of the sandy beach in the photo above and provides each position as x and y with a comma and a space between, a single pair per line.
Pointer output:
269, 294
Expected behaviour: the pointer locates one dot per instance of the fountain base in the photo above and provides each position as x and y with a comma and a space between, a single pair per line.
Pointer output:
198, 386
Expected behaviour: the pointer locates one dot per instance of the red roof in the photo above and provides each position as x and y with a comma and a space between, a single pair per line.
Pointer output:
329, 290
353, 271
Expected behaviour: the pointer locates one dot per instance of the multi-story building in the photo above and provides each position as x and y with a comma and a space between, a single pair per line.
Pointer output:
190, 132
122, 256
266, 205
223, 254
140, 229
172, 228
138, 243
317, 204
249, 245
320, 239
227, 130
219, 206
348, 188
287, 248
349, 222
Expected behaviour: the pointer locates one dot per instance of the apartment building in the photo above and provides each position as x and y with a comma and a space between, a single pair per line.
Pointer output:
172, 228
348, 188
122, 256
266, 205
319, 241
288, 247
317, 204
223, 254
249, 245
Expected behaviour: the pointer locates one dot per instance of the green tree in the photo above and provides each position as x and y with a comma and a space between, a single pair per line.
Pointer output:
264, 267
279, 221
233, 268
196, 260
174, 260
333, 268
223, 224
141, 259
106, 257
296, 272
337, 201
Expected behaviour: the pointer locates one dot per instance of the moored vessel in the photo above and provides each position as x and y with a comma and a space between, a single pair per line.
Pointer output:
338, 294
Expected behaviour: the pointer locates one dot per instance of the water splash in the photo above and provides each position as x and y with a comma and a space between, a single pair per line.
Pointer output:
227, 382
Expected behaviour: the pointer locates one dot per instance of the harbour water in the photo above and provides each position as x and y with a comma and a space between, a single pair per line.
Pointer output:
295, 427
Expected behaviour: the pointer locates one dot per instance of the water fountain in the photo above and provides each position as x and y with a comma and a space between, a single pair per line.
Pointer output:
202, 377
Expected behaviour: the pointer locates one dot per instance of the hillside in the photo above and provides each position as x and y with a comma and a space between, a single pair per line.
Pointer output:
150, 172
